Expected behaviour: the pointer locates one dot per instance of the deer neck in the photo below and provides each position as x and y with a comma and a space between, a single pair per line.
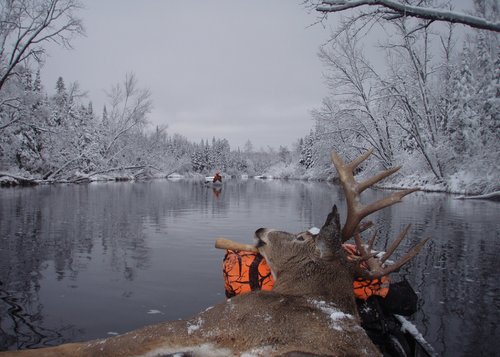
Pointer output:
331, 281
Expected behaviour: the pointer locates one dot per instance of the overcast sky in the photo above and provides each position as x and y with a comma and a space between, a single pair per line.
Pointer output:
236, 69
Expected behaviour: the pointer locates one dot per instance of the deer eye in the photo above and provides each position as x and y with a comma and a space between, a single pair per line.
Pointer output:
299, 238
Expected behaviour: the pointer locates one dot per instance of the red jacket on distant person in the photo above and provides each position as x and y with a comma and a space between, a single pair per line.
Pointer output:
217, 177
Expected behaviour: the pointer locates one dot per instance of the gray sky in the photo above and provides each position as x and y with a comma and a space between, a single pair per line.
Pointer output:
234, 69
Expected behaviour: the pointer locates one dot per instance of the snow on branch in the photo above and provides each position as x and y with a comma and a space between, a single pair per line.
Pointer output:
402, 9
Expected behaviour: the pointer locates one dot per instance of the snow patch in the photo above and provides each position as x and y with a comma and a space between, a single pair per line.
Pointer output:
152, 311
407, 326
314, 230
8, 181
495, 196
204, 350
175, 177
230, 304
266, 317
258, 351
194, 327
336, 316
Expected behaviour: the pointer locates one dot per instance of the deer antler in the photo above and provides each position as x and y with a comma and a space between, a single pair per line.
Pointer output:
352, 189
376, 268
356, 211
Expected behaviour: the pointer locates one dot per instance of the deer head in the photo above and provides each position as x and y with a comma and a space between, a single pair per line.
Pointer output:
287, 254
310, 312
310, 265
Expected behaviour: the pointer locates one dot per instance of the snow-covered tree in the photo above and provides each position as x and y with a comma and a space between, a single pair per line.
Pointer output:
248, 147
307, 157
37, 85
105, 119
360, 114
220, 154
28, 25
130, 106
238, 163
199, 160
436, 103
284, 155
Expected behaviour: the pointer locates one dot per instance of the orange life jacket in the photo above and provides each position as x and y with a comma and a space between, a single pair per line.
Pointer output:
244, 272
364, 288
247, 271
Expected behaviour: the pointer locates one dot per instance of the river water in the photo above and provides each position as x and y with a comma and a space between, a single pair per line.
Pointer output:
79, 262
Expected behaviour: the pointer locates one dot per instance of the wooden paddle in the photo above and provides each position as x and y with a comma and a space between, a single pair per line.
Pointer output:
223, 243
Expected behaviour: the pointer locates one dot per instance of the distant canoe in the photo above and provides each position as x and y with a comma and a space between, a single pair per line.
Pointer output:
210, 183
175, 176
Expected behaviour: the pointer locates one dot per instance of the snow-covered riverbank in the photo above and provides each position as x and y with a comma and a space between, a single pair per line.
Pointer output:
277, 173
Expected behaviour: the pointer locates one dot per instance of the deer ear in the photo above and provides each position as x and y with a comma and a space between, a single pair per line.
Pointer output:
328, 241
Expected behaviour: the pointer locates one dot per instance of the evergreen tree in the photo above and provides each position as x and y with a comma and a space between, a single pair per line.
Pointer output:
460, 120
307, 151
37, 85
105, 119
248, 147
28, 80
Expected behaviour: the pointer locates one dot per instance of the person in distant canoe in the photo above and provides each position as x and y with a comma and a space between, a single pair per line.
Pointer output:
217, 177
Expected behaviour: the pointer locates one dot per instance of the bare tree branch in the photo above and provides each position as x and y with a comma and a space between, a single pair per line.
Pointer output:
26, 25
404, 9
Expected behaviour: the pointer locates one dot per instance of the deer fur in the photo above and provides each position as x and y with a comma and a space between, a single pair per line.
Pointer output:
310, 312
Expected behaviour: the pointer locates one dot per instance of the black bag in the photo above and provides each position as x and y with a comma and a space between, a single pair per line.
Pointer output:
401, 299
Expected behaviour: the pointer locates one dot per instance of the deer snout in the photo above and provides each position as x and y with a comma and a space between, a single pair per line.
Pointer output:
261, 237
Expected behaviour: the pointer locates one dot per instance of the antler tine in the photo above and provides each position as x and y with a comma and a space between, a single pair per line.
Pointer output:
375, 266
363, 226
356, 162
402, 261
378, 177
385, 202
395, 244
371, 242
355, 210
365, 254
349, 185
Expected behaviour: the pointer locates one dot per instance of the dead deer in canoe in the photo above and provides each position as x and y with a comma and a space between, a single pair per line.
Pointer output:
311, 310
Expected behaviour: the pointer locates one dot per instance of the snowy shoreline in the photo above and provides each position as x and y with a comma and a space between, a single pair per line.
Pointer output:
12, 180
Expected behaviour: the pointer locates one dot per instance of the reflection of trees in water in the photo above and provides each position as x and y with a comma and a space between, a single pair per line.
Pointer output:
22, 255
120, 228
60, 224
59, 230
22, 328
454, 275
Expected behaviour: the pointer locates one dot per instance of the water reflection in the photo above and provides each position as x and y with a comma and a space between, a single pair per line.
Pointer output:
81, 261
458, 278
